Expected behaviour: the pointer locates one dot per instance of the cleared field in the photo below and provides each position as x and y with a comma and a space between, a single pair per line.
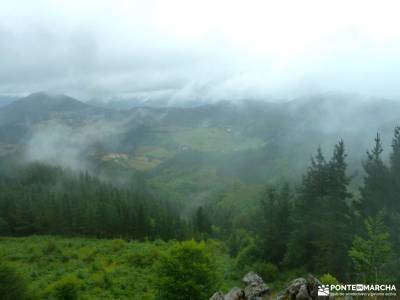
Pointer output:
212, 139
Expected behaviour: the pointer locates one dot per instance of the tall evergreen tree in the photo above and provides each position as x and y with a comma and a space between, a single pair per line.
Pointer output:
275, 229
394, 196
201, 222
374, 193
371, 255
335, 226
321, 217
306, 215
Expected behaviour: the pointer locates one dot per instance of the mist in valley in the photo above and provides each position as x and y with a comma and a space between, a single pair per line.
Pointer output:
253, 136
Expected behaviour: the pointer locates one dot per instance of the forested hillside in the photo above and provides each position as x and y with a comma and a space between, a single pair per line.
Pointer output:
321, 225
192, 152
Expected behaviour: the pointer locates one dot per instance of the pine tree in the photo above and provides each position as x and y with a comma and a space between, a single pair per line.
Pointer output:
275, 229
321, 217
370, 255
334, 226
394, 198
395, 155
374, 193
392, 218
201, 222
306, 215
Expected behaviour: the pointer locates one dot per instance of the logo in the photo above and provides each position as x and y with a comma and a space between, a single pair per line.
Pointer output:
359, 287
323, 290
371, 290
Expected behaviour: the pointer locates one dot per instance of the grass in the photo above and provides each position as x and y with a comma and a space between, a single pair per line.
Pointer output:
147, 158
103, 269
203, 139
213, 139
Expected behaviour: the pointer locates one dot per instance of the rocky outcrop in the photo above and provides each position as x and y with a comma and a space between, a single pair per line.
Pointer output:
235, 294
254, 289
301, 289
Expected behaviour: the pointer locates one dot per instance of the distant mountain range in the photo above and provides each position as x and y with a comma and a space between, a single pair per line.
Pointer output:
252, 140
19, 118
5, 100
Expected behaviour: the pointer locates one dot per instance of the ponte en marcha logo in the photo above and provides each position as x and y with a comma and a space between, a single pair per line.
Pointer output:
357, 290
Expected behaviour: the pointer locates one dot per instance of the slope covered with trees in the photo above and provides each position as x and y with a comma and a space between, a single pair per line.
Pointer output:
48, 200
321, 226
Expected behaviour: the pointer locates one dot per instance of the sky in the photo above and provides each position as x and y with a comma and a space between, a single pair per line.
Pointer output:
200, 50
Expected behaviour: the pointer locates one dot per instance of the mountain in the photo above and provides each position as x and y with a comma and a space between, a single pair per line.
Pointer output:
201, 145
20, 116
5, 100
39, 106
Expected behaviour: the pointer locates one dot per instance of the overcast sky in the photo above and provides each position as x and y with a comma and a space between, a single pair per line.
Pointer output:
208, 50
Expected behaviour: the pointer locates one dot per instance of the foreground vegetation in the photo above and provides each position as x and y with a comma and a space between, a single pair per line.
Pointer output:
278, 231
70, 268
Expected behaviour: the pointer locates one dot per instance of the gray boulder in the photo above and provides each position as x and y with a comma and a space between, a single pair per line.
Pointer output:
303, 294
255, 288
312, 286
235, 294
251, 277
294, 287
301, 289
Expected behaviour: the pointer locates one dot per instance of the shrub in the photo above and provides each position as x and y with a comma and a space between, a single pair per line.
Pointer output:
117, 244
67, 288
65, 258
89, 255
102, 279
12, 285
328, 279
248, 256
268, 271
51, 248
187, 271
143, 259
238, 240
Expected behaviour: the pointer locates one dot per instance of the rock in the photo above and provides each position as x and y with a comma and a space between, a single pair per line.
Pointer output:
302, 294
218, 296
255, 288
301, 289
235, 294
294, 287
251, 277
312, 286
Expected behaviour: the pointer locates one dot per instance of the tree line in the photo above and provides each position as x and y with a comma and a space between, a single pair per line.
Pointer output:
39, 199
324, 226
326, 229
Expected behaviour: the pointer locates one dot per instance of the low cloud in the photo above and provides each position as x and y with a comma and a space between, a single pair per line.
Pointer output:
63, 145
199, 50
